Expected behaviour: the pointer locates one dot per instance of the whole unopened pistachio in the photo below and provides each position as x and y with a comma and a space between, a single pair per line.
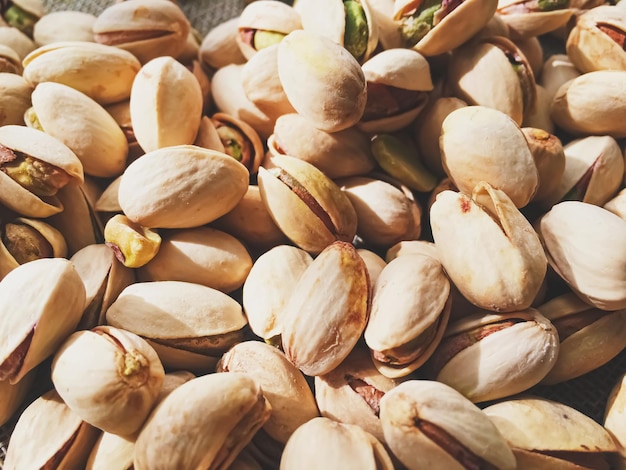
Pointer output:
219, 47
549, 158
428, 424
132, 244
65, 25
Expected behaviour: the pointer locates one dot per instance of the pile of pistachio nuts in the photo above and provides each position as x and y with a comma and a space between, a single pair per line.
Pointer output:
328, 234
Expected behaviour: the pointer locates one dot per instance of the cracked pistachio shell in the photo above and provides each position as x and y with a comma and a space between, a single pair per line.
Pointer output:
409, 313
589, 336
324, 443
202, 255
183, 316
488, 248
537, 429
477, 143
104, 73
327, 310
12, 396
219, 47
532, 49
16, 40
424, 420
84, 126
593, 42
594, 168
549, 158
181, 187
309, 208
47, 149
66, 25
351, 392
109, 377
146, 28
157, 105
614, 418
252, 151
401, 69
263, 16
528, 24
482, 73
294, 135
268, 286
284, 386
49, 434
15, 95
386, 210
504, 354
454, 29
585, 245
592, 104
335, 94
215, 416
33, 331
617, 205
10, 62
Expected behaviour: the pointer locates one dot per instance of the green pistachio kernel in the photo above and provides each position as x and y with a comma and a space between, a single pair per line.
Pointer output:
20, 19
25, 243
550, 5
31, 119
40, 178
263, 39
235, 143
416, 26
356, 34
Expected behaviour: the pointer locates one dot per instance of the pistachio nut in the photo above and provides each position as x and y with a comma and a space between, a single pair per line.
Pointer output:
268, 287
614, 413
434, 27
557, 70
146, 28
336, 92
13, 396
294, 135
195, 324
351, 392
133, 244
427, 130
593, 171
64, 25
219, 47
215, 416
409, 313
592, 104
180, 187
104, 73
15, 95
547, 434
263, 24
477, 142
596, 42
589, 337
493, 72
23, 240
347, 23
125, 376
34, 330
309, 208
10, 62
532, 49
34, 166
283, 385
23, 14
406, 247
373, 263
389, 36
504, 271
549, 158
250, 222
49, 434
16, 40
207, 136
156, 106
540, 117
240, 141
526, 18
584, 244
488, 356
429, 424
617, 205
202, 255
88, 130
327, 310
104, 277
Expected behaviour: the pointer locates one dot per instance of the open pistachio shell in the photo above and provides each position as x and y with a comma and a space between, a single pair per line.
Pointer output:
429, 424
85, 127
219, 47
34, 330
525, 22
146, 28
240, 141
10, 62
215, 416
181, 187
104, 73
49, 434
67, 25
327, 310
509, 255
585, 246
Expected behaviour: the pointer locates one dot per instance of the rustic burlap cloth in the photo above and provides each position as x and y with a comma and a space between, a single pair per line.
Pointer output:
587, 394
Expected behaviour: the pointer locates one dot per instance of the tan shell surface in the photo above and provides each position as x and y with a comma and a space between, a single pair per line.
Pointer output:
401, 68
527, 25
219, 47
66, 25
13, 396
15, 95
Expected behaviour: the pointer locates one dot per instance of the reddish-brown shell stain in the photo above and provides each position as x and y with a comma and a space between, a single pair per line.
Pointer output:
465, 205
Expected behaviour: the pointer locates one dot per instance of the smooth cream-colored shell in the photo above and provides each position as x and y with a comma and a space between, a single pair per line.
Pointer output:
181, 187
219, 47
65, 25
557, 70
84, 126
617, 205
15, 95
17, 40
528, 25
614, 415
400, 68
111, 452
585, 246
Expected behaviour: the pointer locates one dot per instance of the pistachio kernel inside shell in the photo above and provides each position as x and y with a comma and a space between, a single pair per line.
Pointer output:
618, 35
39, 177
385, 100
20, 19
25, 243
570, 324
522, 69
32, 120
370, 394
115, 38
356, 32
207, 345
132, 366
236, 144
532, 6
260, 39
13, 363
